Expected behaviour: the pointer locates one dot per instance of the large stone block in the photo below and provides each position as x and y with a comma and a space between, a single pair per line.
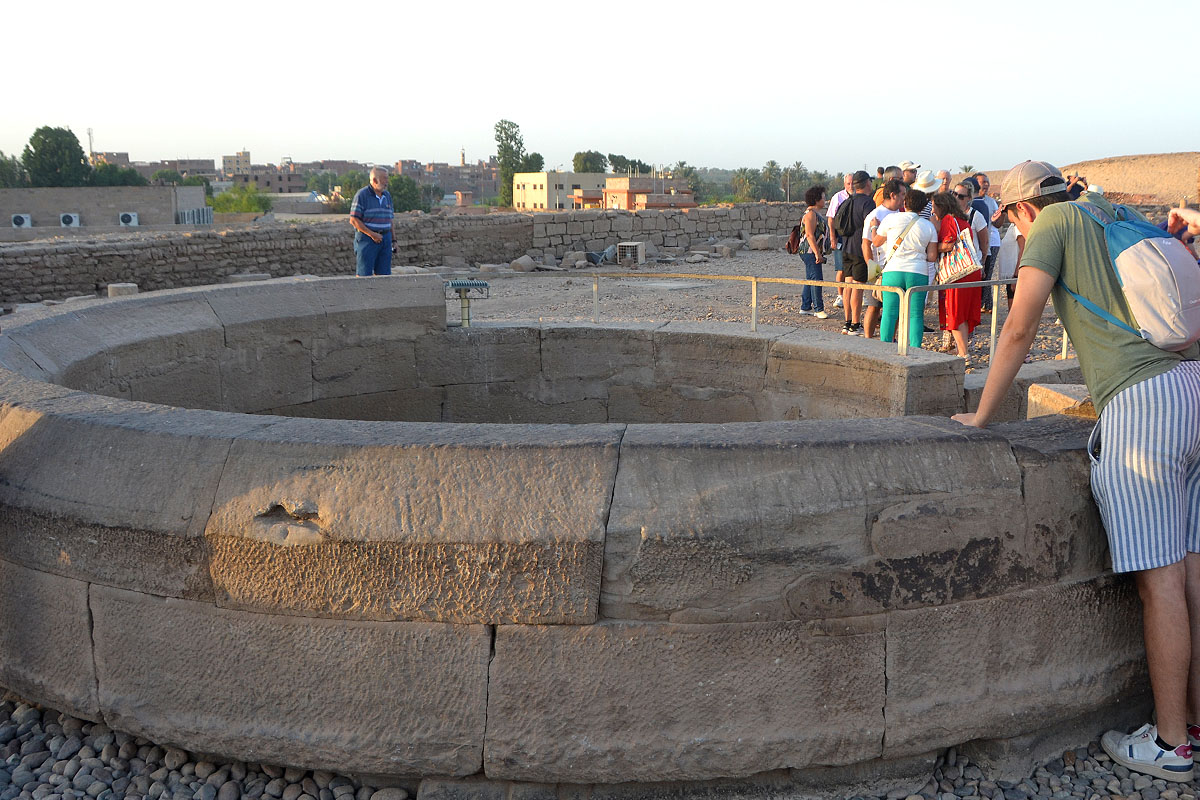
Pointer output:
403, 405
1018, 662
1065, 540
45, 640
835, 378
652, 702
426, 522
707, 355
479, 354
565, 402
620, 354
749, 522
112, 492
395, 698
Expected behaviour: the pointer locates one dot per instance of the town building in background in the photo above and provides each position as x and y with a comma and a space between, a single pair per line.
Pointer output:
552, 191
647, 192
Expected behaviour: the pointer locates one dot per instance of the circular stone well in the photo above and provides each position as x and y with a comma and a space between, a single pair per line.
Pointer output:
305, 522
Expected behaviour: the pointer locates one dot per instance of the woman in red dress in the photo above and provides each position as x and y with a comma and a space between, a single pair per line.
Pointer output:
958, 309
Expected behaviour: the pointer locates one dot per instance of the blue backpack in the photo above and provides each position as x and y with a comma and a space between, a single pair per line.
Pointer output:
1158, 276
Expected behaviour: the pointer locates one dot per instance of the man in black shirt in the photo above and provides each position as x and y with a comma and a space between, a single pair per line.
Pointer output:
849, 221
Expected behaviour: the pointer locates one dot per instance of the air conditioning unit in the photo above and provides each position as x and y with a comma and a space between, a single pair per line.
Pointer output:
69, 220
128, 219
631, 252
22, 220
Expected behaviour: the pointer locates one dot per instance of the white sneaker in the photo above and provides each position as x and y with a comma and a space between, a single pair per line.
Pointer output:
837, 303
804, 313
821, 315
1194, 740
1139, 752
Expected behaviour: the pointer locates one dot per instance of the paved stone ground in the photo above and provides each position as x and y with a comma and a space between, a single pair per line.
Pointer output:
567, 296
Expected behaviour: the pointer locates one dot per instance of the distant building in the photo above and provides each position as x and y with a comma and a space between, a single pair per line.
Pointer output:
236, 164
636, 194
272, 181
550, 191
481, 179
116, 159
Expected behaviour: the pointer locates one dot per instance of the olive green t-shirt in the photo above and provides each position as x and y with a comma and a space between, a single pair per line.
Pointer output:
1067, 244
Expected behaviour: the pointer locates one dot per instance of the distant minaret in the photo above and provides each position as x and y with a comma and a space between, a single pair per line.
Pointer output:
462, 157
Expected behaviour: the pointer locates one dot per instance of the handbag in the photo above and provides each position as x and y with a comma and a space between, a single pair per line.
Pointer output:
959, 262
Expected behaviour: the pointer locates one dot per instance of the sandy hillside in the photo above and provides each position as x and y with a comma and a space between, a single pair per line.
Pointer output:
1157, 178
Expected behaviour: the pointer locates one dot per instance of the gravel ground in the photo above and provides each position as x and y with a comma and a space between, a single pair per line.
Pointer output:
567, 296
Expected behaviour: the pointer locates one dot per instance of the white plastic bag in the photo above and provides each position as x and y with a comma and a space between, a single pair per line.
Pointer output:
1006, 259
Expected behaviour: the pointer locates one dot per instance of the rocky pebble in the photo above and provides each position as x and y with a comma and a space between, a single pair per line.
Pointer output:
47, 755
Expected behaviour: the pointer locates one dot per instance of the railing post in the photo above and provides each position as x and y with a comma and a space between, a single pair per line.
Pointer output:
595, 299
1065, 342
995, 313
754, 303
901, 324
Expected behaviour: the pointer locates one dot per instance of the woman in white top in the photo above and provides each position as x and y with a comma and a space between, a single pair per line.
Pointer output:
910, 243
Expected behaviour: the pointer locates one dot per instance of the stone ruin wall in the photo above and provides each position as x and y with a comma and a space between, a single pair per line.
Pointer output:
36, 271
587, 606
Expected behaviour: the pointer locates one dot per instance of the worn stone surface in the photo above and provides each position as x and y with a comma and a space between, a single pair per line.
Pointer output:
644, 702
394, 697
1015, 758
1065, 539
1065, 648
1014, 405
433, 522
836, 378
112, 492
1072, 399
748, 522
45, 640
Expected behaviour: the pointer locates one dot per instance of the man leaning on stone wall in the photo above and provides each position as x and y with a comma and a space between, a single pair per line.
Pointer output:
371, 217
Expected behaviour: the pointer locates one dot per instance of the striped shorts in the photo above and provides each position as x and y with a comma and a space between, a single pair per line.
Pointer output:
1145, 454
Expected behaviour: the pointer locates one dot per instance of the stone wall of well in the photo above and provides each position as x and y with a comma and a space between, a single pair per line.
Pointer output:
536, 609
50, 269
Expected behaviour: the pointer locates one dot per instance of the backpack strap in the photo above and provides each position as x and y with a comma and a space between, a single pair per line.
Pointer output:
1104, 221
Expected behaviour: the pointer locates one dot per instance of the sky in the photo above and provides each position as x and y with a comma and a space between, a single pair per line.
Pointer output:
835, 85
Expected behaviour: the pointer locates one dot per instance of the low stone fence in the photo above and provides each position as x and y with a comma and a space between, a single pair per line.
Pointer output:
54, 269
736, 607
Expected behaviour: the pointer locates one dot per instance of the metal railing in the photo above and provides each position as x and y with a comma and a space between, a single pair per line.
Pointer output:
754, 281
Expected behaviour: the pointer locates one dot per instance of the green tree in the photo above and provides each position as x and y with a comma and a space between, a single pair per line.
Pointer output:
967, 168
54, 157
405, 194
746, 184
12, 173
589, 161
322, 182
241, 199
796, 180
430, 196
197, 180
105, 174
685, 171
510, 152
532, 162
352, 181
165, 177
622, 164
770, 185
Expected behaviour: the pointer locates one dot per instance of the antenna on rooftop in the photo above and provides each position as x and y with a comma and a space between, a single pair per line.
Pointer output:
91, 150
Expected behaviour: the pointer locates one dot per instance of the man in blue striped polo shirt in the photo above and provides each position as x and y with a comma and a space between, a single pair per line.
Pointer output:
371, 217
